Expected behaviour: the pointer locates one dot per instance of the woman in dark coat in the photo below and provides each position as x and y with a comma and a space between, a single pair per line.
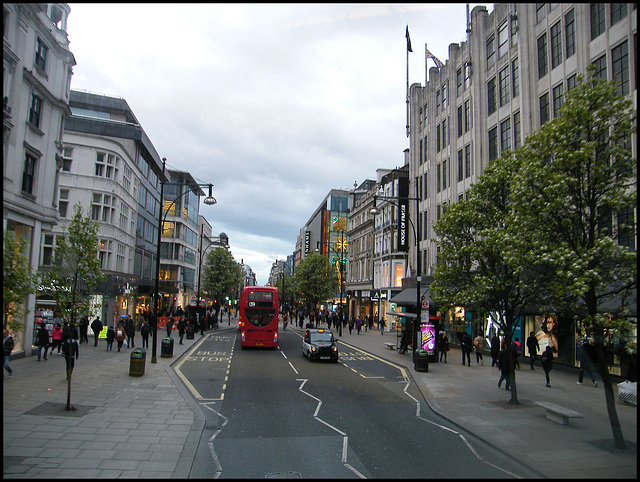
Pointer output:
547, 362
43, 340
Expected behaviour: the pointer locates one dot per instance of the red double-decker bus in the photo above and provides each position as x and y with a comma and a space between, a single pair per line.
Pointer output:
259, 316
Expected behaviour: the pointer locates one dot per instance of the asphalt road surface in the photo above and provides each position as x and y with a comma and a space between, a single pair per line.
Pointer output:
274, 414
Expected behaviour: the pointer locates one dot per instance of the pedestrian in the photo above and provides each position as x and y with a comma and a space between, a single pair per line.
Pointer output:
84, 328
169, 325
7, 347
517, 350
404, 343
130, 330
96, 326
66, 332
145, 330
586, 363
466, 347
56, 338
120, 336
495, 350
382, 324
351, 323
547, 362
358, 325
505, 368
181, 329
43, 340
443, 346
478, 345
111, 335
533, 347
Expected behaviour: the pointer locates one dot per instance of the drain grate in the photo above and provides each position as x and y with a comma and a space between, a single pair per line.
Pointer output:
283, 475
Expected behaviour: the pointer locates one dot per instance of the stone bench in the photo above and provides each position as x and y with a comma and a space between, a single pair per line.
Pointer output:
389, 345
559, 414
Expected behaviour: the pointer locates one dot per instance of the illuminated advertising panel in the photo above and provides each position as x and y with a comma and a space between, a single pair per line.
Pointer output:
428, 338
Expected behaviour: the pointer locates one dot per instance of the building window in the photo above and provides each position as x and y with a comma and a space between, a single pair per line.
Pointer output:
438, 138
460, 125
420, 157
105, 253
491, 50
544, 108
437, 102
493, 144
467, 115
503, 39
601, 68
41, 54
491, 96
103, 208
626, 229
542, 56
459, 82
541, 12
35, 110
467, 160
444, 174
571, 82
516, 130
557, 100
618, 12
100, 157
47, 250
444, 133
514, 29
620, 66
556, 45
426, 148
505, 135
597, 20
28, 174
515, 70
570, 33
444, 96
67, 159
63, 203
438, 178
467, 75
504, 86
460, 165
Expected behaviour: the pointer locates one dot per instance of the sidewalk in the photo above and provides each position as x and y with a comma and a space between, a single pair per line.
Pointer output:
149, 426
469, 397
141, 427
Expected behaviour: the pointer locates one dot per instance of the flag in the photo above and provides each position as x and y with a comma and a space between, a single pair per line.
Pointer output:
431, 56
408, 40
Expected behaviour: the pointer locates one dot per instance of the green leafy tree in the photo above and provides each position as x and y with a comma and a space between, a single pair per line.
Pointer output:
18, 281
574, 200
75, 273
221, 274
476, 267
286, 289
315, 279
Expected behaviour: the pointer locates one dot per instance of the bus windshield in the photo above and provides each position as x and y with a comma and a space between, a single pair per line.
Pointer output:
259, 316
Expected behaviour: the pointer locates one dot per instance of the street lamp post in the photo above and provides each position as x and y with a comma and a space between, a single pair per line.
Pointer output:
416, 230
210, 200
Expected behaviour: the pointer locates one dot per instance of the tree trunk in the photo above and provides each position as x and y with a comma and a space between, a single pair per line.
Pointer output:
601, 361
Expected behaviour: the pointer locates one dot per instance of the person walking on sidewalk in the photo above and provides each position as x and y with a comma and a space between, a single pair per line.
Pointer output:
96, 326
56, 338
181, 329
586, 363
84, 328
145, 330
169, 325
478, 345
465, 345
547, 363
120, 336
505, 368
533, 347
358, 325
381, 323
7, 347
111, 335
43, 340
443, 346
495, 350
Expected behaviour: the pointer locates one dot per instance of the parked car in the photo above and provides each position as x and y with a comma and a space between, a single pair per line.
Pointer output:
319, 344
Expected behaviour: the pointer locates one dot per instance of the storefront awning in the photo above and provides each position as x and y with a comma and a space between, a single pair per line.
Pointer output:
407, 297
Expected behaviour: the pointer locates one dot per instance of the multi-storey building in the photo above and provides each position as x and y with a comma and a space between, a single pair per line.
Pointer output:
36, 74
507, 79
389, 261
359, 275
112, 170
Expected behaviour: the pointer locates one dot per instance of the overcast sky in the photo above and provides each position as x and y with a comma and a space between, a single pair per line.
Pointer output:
274, 104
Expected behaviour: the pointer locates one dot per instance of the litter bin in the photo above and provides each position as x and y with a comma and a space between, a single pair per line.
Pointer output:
137, 361
421, 361
166, 350
190, 331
